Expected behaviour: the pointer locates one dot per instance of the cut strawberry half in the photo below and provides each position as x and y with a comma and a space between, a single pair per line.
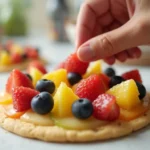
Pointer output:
105, 108
17, 78
133, 74
22, 97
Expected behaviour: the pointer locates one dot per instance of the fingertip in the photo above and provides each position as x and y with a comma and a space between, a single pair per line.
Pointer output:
110, 60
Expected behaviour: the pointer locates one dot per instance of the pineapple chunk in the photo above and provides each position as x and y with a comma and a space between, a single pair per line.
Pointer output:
32, 117
94, 68
63, 100
126, 93
36, 75
5, 98
57, 77
5, 58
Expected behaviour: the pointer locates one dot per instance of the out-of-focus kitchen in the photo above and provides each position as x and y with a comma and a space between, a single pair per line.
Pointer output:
50, 26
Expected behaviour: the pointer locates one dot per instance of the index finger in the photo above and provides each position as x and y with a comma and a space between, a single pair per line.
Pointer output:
89, 12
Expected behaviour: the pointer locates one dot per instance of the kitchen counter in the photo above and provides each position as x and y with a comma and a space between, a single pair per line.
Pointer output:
54, 53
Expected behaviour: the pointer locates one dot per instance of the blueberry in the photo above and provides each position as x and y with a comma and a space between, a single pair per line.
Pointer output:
82, 108
29, 76
42, 103
115, 80
45, 85
110, 72
142, 90
74, 78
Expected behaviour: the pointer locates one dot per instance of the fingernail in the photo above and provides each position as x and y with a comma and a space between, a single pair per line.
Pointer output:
85, 53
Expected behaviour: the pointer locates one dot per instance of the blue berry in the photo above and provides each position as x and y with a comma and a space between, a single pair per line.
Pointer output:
82, 108
74, 78
115, 80
110, 72
45, 86
42, 103
29, 76
142, 90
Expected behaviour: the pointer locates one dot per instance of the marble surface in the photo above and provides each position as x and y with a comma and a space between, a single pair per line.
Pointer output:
56, 52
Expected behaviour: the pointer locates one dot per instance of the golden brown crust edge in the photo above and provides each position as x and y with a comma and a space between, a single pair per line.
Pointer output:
20, 66
57, 134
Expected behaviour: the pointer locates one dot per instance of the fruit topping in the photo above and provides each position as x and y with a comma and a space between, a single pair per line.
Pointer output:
57, 77
22, 97
105, 79
73, 64
45, 85
38, 65
17, 79
16, 58
37, 119
82, 108
42, 103
105, 108
126, 93
5, 98
5, 58
115, 80
134, 74
64, 98
110, 72
142, 90
29, 76
90, 87
74, 78
31, 52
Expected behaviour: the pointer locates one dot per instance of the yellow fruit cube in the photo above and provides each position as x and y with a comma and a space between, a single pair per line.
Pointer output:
94, 68
63, 100
36, 75
57, 77
5, 58
126, 93
5, 98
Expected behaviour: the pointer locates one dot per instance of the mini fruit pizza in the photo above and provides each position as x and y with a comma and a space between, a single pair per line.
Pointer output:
77, 102
15, 56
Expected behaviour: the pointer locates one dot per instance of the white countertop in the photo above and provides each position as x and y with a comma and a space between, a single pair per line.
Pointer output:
56, 52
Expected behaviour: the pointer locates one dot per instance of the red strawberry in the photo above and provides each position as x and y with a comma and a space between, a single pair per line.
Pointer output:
16, 58
16, 79
133, 74
60, 66
105, 108
22, 97
73, 64
31, 52
90, 87
38, 65
105, 79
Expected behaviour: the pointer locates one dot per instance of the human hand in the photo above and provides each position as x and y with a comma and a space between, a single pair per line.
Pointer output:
112, 29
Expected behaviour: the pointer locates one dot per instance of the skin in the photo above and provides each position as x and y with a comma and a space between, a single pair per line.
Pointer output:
112, 29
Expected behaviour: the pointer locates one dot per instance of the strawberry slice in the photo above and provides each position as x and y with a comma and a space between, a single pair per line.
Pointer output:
90, 87
31, 52
133, 74
16, 58
105, 79
38, 65
22, 97
105, 108
73, 64
17, 78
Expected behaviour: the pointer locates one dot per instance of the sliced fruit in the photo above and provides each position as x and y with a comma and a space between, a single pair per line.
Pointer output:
114, 80
38, 65
16, 58
105, 79
11, 112
105, 108
22, 97
57, 77
17, 78
128, 115
94, 68
126, 93
15, 48
36, 75
63, 100
5, 98
5, 58
110, 72
77, 124
73, 64
90, 87
31, 52
32, 117
133, 74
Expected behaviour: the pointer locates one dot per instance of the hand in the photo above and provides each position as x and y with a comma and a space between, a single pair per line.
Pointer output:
112, 29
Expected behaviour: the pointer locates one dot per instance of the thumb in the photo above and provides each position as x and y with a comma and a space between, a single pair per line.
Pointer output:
130, 35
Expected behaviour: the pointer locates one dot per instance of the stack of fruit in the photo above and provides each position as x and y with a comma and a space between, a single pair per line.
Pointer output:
77, 95
12, 53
